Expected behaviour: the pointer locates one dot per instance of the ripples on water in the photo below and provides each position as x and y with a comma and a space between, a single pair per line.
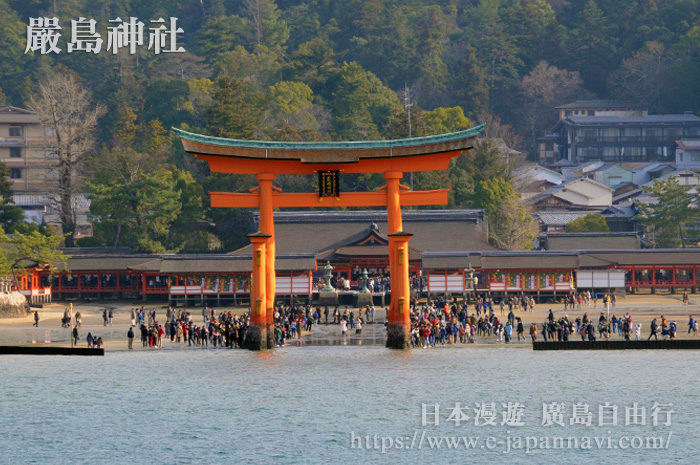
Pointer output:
299, 406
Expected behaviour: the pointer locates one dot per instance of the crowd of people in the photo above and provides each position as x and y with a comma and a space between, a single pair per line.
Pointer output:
290, 321
563, 328
93, 342
222, 330
228, 330
432, 323
444, 323
577, 300
450, 323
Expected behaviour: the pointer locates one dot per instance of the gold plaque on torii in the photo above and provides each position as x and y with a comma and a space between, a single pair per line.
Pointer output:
329, 184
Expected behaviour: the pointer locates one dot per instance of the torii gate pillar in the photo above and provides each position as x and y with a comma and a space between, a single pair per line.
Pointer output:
399, 316
257, 333
267, 226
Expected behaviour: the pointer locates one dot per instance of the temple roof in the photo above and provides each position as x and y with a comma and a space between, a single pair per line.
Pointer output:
593, 241
375, 216
320, 233
328, 152
558, 260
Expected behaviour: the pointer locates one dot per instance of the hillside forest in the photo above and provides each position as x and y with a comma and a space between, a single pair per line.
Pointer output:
314, 70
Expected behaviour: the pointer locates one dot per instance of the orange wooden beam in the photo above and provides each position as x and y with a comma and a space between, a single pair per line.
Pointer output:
310, 200
432, 162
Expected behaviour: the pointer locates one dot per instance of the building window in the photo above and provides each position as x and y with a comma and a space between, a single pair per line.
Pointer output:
609, 135
633, 151
610, 153
589, 134
15, 152
51, 154
15, 131
549, 146
653, 152
671, 133
50, 131
567, 113
591, 113
587, 153
15, 173
632, 134
652, 134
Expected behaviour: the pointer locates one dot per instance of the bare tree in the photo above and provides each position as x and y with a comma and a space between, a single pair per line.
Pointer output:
496, 129
65, 106
510, 228
544, 88
255, 8
645, 77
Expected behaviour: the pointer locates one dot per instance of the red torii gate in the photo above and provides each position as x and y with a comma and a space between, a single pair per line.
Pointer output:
391, 158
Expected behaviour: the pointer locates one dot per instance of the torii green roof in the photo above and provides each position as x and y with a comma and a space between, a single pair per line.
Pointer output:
342, 145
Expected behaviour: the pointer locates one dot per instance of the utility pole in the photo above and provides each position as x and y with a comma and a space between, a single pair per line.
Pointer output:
407, 105
72, 341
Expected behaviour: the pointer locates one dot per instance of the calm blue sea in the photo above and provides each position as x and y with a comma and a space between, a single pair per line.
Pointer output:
343, 405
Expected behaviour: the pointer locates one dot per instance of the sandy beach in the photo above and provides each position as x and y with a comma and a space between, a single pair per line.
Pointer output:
642, 308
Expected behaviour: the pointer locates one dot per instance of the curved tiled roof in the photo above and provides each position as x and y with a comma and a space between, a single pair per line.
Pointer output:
607, 104
328, 152
376, 216
559, 259
369, 144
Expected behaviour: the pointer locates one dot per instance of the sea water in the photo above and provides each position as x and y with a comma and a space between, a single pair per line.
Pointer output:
350, 404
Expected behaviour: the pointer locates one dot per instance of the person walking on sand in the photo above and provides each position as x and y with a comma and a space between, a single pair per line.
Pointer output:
76, 336
685, 298
654, 328
36, 319
130, 336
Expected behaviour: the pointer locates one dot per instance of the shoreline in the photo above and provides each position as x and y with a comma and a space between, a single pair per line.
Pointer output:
20, 331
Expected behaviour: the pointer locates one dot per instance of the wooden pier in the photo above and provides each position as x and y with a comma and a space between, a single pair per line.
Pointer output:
48, 350
675, 344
